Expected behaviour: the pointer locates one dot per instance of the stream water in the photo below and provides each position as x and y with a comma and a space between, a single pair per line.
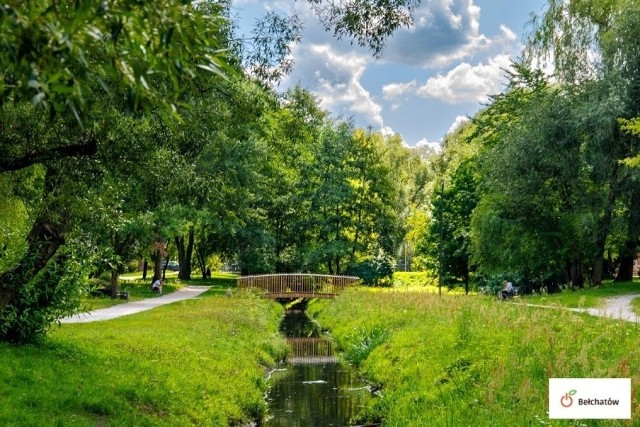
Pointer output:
312, 389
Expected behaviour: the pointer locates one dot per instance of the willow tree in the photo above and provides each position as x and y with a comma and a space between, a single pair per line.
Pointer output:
595, 45
71, 68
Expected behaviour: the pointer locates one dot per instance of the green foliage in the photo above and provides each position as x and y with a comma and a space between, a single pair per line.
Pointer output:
57, 52
53, 293
375, 270
363, 342
368, 22
113, 103
415, 278
444, 242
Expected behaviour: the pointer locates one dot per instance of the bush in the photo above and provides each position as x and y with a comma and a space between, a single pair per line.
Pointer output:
49, 296
377, 270
491, 284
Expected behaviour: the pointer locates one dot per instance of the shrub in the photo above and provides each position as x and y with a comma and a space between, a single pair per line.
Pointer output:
376, 270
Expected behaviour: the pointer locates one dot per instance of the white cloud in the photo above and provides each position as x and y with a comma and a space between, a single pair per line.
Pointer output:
459, 120
387, 131
437, 146
467, 83
508, 33
336, 81
396, 90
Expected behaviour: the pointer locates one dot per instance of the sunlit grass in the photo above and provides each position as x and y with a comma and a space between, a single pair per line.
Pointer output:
449, 361
422, 281
195, 362
635, 306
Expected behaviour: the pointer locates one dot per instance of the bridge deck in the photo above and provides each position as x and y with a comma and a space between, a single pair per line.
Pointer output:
293, 286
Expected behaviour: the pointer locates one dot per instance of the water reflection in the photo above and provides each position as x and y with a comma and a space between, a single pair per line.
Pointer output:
312, 389
315, 395
297, 324
310, 351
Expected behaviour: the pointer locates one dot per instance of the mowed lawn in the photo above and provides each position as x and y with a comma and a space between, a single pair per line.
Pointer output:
196, 362
472, 360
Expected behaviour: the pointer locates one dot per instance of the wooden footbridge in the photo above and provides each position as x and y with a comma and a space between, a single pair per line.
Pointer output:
293, 286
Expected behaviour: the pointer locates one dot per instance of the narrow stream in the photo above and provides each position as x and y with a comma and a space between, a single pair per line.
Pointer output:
312, 389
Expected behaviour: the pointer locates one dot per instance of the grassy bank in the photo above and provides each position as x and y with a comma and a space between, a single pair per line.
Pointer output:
197, 362
473, 361
586, 297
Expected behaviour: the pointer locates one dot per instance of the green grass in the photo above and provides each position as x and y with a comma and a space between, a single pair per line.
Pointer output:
585, 298
196, 362
414, 278
635, 306
473, 361
421, 281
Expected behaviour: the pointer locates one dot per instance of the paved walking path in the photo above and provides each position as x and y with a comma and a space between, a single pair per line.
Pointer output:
136, 306
615, 308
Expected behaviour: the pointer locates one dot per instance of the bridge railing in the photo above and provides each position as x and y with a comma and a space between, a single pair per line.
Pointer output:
298, 285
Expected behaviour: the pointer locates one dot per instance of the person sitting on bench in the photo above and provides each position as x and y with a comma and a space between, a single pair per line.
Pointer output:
157, 286
508, 290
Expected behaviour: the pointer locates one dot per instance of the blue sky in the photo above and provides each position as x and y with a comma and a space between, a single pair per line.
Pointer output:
430, 77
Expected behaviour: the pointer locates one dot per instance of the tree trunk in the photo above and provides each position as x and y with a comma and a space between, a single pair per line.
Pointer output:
44, 240
625, 269
576, 274
466, 281
157, 266
201, 263
145, 265
179, 241
185, 253
46, 236
603, 226
188, 255
114, 281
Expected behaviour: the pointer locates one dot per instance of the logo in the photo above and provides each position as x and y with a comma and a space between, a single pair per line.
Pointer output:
566, 400
599, 398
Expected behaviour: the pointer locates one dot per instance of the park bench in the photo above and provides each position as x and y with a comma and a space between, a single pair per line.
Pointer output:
508, 296
107, 292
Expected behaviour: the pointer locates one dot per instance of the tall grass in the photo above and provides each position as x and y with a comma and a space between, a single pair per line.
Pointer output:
473, 361
195, 362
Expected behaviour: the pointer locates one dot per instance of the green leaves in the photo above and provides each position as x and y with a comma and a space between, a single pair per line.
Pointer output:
367, 22
56, 51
